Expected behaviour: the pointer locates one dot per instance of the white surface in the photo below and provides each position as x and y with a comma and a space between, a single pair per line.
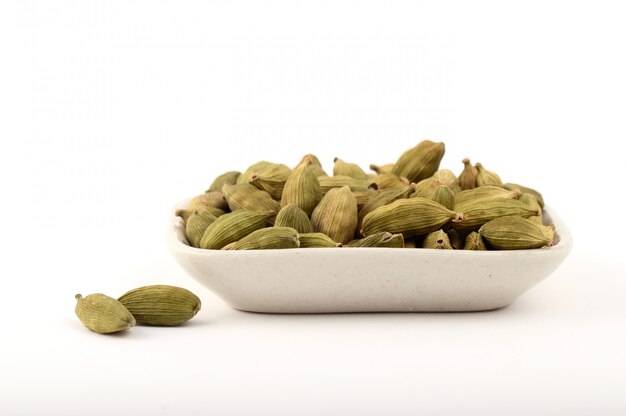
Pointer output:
110, 112
340, 280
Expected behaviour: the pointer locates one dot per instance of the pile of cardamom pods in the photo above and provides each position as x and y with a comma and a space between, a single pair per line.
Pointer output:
410, 203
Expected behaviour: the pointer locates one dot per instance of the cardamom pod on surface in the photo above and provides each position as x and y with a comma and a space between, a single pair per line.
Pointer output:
161, 305
103, 314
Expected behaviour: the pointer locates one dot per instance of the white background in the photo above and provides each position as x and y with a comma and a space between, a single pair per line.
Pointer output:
110, 112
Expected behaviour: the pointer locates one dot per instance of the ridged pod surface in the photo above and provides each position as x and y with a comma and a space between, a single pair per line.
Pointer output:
292, 216
420, 162
161, 305
233, 227
515, 233
412, 216
268, 238
302, 188
477, 214
336, 215
317, 240
437, 240
103, 314
383, 239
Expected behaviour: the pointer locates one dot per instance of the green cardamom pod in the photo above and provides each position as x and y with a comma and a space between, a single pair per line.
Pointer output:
467, 178
316, 165
247, 197
292, 216
196, 225
486, 177
336, 215
225, 178
272, 179
482, 194
437, 240
443, 195
207, 200
425, 188
448, 178
161, 305
184, 214
381, 198
233, 227
353, 170
268, 238
331, 182
103, 314
532, 202
420, 162
525, 190
411, 217
383, 239
474, 241
317, 240
380, 169
252, 170
389, 180
514, 233
302, 188
479, 213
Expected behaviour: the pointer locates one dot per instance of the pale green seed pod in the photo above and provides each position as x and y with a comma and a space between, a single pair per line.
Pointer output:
336, 215
480, 213
314, 163
474, 241
356, 185
208, 200
514, 233
196, 225
389, 180
225, 178
448, 178
103, 314
532, 202
252, 170
292, 216
443, 195
486, 177
161, 305
302, 188
184, 214
467, 178
425, 188
420, 162
411, 217
247, 197
526, 190
383, 197
317, 240
482, 194
268, 238
383, 239
380, 169
272, 179
353, 170
437, 240
233, 227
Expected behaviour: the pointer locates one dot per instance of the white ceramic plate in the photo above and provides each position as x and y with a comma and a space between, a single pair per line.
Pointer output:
325, 280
